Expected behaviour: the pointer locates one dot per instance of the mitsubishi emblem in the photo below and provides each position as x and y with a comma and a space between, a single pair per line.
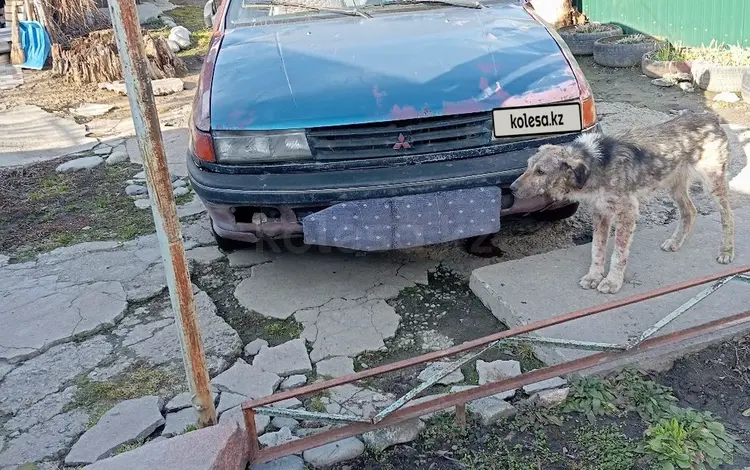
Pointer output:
402, 143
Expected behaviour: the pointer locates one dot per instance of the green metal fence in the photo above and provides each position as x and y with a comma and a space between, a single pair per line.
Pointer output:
690, 22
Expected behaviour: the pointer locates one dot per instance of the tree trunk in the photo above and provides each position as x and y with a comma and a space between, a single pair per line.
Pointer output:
558, 13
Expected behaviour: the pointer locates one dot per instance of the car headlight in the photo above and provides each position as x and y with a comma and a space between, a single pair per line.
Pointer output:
261, 147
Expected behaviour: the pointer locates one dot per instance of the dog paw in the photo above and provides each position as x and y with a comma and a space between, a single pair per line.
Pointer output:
670, 245
609, 286
725, 257
590, 281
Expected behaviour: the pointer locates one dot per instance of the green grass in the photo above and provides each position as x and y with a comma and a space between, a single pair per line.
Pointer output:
190, 428
282, 330
720, 54
128, 447
592, 397
668, 53
53, 210
191, 17
99, 397
50, 186
199, 47
315, 402
633, 39
604, 448
592, 28
676, 437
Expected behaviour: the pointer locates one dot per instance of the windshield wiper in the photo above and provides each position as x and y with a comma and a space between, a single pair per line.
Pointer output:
455, 3
341, 11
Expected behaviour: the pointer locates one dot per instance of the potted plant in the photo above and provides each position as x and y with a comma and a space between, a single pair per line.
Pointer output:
625, 50
664, 60
581, 38
719, 68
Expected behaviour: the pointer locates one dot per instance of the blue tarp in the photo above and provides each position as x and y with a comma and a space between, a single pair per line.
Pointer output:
36, 44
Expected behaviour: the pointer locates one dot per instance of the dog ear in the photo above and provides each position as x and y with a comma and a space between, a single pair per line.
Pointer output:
579, 173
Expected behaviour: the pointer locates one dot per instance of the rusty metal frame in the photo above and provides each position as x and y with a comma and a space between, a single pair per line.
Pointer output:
400, 411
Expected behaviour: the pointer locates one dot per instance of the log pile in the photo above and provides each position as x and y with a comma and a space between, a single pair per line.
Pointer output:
83, 44
94, 59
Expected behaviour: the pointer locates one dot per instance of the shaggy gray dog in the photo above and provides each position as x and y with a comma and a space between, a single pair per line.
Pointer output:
612, 172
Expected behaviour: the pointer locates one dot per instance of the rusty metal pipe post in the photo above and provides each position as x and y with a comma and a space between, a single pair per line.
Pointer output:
134, 62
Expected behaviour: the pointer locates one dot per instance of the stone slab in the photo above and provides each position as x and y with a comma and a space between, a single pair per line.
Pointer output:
127, 422
335, 452
88, 110
246, 380
177, 422
32, 135
335, 367
290, 462
348, 327
286, 359
220, 447
175, 146
544, 286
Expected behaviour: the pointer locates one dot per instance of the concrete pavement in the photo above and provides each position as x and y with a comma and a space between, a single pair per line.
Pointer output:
544, 286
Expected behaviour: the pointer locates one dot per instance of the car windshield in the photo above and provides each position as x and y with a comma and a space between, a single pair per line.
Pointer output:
257, 12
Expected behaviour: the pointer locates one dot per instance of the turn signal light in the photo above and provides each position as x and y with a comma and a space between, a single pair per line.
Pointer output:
588, 111
202, 145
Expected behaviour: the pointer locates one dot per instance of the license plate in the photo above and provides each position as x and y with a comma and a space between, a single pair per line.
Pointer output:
537, 120
406, 221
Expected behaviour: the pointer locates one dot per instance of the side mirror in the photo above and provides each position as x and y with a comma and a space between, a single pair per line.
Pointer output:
209, 13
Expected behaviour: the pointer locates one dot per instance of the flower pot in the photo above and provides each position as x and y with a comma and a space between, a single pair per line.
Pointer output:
610, 52
654, 68
582, 43
718, 78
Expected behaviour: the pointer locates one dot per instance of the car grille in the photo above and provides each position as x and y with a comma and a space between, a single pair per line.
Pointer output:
409, 137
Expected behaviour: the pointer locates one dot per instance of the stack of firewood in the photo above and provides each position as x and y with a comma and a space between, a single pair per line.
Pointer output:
83, 45
94, 59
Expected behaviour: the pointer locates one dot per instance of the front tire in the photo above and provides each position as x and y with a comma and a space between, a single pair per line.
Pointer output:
554, 215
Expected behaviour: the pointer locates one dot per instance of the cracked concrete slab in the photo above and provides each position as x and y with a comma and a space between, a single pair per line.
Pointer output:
175, 146
46, 440
348, 327
47, 373
159, 343
90, 284
351, 399
293, 282
40, 412
511, 289
32, 135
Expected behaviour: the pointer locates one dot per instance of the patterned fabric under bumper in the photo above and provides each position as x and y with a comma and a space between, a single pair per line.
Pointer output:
406, 221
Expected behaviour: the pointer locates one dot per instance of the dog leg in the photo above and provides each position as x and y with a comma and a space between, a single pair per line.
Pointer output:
720, 192
687, 217
602, 222
625, 220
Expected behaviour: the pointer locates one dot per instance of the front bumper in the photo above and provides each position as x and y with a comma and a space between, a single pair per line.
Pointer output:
238, 199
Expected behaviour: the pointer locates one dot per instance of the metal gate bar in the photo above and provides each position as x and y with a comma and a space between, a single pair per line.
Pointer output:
393, 415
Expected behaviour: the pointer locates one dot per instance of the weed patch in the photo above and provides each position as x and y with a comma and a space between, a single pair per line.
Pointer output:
99, 397
690, 440
592, 397
41, 210
282, 330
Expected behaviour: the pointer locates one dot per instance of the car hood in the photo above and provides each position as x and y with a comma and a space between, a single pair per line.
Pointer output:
401, 65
